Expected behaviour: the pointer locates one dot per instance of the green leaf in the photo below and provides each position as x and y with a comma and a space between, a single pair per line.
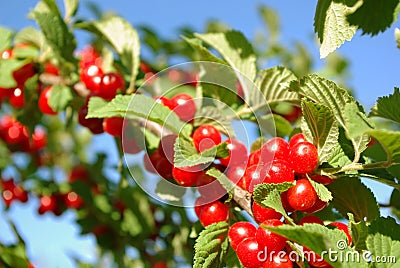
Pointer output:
356, 121
271, 20
60, 97
397, 36
6, 36
169, 192
319, 238
374, 16
5, 155
208, 247
55, 30
343, 153
31, 36
388, 107
350, 195
186, 154
269, 195
383, 248
124, 38
359, 233
331, 25
203, 52
223, 180
235, 49
138, 105
71, 6
390, 142
209, 115
395, 198
274, 125
385, 226
323, 193
130, 223
7, 68
323, 127
326, 92
259, 142
271, 87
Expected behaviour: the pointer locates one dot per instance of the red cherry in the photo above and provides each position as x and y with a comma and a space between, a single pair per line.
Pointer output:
92, 76
279, 172
164, 101
149, 161
254, 158
302, 195
325, 180
130, 145
166, 147
275, 148
8, 197
315, 260
17, 98
184, 106
248, 253
144, 67
206, 137
293, 115
240, 231
24, 73
297, 138
209, 187
89, 56
267, 240
343, 227
44, 99
51, 69
278, 260
186, 176
262, 214
213, 212
237, 153
319, 205
303, 157
39, 139
113, 126
79, 173
20, 193
160, 264
254, 175
164, 168
235, 173
199, 204
311, 219
17, 133
285, 202
95, 125
47, 203
100, 229
6, 54
73, 200
110, 84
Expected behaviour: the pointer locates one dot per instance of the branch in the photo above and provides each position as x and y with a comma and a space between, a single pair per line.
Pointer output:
50, 79
243, 199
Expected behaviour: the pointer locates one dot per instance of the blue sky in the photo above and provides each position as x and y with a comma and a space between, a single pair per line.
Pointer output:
374, 72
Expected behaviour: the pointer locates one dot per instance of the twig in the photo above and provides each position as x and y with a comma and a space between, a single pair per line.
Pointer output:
243, 199
50, 79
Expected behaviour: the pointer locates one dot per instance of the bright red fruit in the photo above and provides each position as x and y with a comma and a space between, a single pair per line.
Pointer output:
47, 203
79, 173
24, 73
186, 176
237, 153
44, 100
164, 168
315, 260
20, 193
51, 69
325, 180
199, 204
89, 56
262, 214
110, 84
184, 106
73, 200
319, 205
302, 195
113, 126
39, 139
235, 173
297, 138
239, 231
279, 172
214, 212
267, 240
248, 253
311, 219
209, 186
164, 101
278, 260
92, 76
206, 137
275, 148
303, 157
254, 175
343, 227
166, 147
95, 125
17, 98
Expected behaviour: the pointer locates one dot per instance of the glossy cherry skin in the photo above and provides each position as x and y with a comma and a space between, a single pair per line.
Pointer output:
184, 106
237, 153
164, 168
239, 231
149, 161
166, 147
199, 204
315, 260
248, 253
303, 157
47, 203
277, 148
267, 240
278, 260
214, 212
44, 99
186, 176
325, 180
206, 137
110, 84
296, 138
113, 126
262, 214
311, 219
95, 125
79, 173
343, 227
280, 171
164, 101
318, 206
235, 173
39, 139
50, 68
302, 195
17, 98
254, 175
89, 56
24, 73
209, 187
73, 200
92, 77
